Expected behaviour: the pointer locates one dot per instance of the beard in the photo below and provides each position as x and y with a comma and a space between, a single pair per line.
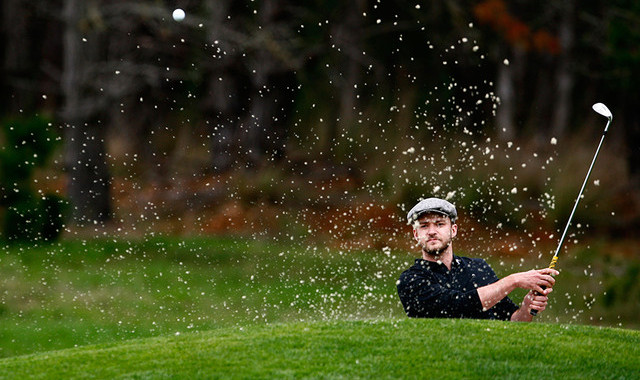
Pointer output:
438, 249
436, 252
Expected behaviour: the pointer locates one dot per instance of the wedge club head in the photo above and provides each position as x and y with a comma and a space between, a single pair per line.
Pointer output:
602, 110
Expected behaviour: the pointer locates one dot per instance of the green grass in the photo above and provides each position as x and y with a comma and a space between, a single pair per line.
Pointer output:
390, 348
77, 293
86, 292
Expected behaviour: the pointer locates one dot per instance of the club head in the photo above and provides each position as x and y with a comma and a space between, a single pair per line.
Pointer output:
602, 110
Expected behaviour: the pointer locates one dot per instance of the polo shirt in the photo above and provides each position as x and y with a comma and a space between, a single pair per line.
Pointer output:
430, 290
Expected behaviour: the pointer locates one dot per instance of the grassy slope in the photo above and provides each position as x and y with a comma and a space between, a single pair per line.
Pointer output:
354, 349
78, 293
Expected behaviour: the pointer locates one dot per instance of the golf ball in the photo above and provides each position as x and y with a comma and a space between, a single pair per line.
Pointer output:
178, 14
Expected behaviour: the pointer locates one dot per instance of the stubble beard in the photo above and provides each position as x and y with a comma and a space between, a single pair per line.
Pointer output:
437, 252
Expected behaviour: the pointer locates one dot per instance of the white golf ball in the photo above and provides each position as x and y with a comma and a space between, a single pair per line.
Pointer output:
178, 14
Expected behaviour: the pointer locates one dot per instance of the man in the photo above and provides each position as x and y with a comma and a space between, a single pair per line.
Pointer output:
443, 285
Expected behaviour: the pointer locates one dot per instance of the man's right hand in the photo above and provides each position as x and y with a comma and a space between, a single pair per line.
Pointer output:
532, 280
536, 279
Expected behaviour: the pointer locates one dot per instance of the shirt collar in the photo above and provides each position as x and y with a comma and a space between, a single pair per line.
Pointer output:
435, 265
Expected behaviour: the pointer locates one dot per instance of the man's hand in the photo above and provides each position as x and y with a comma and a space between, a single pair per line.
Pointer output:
536, 301
533, 300
535, 279
540, 283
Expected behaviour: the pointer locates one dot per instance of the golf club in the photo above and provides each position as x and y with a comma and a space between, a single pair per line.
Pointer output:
604, 111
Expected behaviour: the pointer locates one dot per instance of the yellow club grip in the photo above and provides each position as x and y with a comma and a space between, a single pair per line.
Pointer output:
552, 265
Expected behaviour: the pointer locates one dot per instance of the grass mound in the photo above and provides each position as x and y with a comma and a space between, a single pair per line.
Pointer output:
99, 291
387, 348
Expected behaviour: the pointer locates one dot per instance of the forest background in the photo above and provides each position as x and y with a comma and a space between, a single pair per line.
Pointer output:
320, 122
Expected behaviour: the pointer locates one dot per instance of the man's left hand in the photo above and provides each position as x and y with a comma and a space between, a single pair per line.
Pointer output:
537, 301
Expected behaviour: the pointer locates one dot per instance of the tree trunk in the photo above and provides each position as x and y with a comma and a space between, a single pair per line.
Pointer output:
223, 103
16, 58
88, 179
564, 77
272, 84
505, 114
349, 37
508, 77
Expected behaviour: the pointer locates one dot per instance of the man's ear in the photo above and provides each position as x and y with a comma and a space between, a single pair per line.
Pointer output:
454, 230
415, 234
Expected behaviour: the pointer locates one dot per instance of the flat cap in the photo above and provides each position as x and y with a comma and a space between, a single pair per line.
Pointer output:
432, 205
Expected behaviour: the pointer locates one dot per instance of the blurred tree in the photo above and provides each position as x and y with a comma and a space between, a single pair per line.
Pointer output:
526, 57
28, 143
88, 180
251, 85
270, 64
16, 53
30, 50
348, 34
621, 79
565, 74
324, 81
225, 84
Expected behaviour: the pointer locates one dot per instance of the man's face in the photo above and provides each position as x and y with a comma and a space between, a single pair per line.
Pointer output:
434, 233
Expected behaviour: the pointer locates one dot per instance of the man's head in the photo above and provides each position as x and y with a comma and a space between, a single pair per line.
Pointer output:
433, 222
432, 205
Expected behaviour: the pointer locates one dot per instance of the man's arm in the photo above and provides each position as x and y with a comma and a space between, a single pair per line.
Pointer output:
533, 280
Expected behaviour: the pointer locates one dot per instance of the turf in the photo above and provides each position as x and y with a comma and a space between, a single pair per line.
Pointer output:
86, 292
389, 348
89, 292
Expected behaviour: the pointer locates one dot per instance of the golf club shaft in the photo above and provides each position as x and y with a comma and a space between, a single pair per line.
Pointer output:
554, 259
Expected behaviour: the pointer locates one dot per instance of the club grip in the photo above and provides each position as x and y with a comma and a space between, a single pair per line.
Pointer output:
535, 312
552, 265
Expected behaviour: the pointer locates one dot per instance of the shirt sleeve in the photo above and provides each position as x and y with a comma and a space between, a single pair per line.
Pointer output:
505, 307
422, 297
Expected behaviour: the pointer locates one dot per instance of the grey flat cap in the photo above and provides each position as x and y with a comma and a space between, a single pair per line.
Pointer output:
432, 205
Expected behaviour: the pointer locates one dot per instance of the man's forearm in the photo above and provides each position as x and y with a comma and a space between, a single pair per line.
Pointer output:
492, 294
